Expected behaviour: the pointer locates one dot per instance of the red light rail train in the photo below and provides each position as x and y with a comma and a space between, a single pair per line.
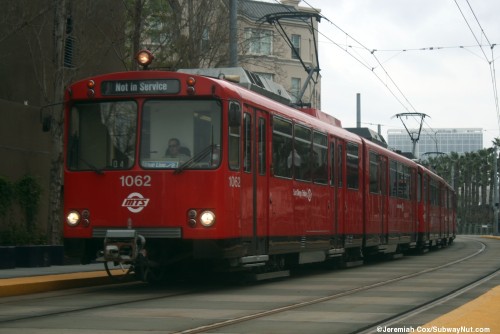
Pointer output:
166, 170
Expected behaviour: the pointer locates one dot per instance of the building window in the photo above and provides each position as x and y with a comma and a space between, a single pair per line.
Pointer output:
296, 45
295, 88
259, 41
269, 76
205, 40
69, 44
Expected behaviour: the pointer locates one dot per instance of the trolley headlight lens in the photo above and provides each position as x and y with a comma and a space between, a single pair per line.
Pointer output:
144, 57
73, 218
207, 218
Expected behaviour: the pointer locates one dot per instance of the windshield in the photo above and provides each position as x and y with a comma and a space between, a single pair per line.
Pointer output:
102, 136
181, 134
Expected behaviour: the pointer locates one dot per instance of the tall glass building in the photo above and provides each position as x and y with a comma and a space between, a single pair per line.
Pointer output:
437, 142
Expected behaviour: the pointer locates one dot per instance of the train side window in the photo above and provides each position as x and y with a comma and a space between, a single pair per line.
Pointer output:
419, 187
332, 164
393, 178
320, 158
433, 190
383, 174
262, 146
282, 146
247, 151
352, 166
445, 199
340, 165
301, 157
234, 136
424, 189
374, 173
404, 181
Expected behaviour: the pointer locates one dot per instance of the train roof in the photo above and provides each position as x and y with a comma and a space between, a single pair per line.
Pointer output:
262, 86
369, 134
247, 79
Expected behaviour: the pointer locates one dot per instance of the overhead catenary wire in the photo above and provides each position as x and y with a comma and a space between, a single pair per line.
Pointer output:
391, 85
491, 62
373, 51
408, 106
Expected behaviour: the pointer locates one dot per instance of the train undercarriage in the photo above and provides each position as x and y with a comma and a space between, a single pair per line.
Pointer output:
127, 253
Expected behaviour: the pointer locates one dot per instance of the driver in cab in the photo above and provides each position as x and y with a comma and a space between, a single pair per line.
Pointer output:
175, 152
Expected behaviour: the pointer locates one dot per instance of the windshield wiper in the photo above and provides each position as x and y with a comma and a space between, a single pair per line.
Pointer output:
197, 157
92, 167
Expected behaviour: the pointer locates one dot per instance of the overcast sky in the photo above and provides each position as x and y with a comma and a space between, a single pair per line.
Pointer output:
443, 73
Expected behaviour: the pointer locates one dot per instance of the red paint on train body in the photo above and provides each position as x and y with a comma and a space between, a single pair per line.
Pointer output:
259, 183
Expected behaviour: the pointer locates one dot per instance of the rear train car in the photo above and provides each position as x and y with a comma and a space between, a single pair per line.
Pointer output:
436, 210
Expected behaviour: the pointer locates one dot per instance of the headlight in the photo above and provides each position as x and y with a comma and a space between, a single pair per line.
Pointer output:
207, 218
144, 58
73, 218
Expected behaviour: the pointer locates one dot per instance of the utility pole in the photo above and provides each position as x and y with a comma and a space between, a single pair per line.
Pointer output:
233, 34
57, 121
495, 192
358, 110
414, 136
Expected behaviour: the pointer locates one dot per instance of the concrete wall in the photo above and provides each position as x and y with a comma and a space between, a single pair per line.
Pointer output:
24, 150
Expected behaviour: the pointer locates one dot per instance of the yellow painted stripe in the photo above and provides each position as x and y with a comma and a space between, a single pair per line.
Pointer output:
35, 284
482, 312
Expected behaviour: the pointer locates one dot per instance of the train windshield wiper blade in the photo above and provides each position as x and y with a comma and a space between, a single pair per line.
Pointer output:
92, 167
197, 157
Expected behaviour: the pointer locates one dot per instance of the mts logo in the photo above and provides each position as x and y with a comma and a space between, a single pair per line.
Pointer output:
135, 202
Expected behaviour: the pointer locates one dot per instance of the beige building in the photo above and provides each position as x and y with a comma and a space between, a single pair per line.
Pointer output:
196, 34
262, 48
95, 42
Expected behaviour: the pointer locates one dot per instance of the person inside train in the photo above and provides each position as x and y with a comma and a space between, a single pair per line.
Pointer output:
176, 151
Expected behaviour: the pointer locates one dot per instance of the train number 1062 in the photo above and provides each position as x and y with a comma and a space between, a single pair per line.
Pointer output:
234, 182
135, 181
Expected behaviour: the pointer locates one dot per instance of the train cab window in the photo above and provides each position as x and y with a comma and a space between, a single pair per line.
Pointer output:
102, 136
282, 146
374, 173
300, 159
195, 126
352, 166
319, 158
247, 150
234, 136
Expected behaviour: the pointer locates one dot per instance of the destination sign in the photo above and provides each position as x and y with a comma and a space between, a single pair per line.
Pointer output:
134, 87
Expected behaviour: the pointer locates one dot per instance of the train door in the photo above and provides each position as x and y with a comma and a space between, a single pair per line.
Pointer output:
414, 206
339, 192
254, 180
336, 196
374, 210
395, 205
384, 200
425, 209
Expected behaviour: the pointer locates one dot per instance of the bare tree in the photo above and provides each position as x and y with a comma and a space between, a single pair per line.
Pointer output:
180, 33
